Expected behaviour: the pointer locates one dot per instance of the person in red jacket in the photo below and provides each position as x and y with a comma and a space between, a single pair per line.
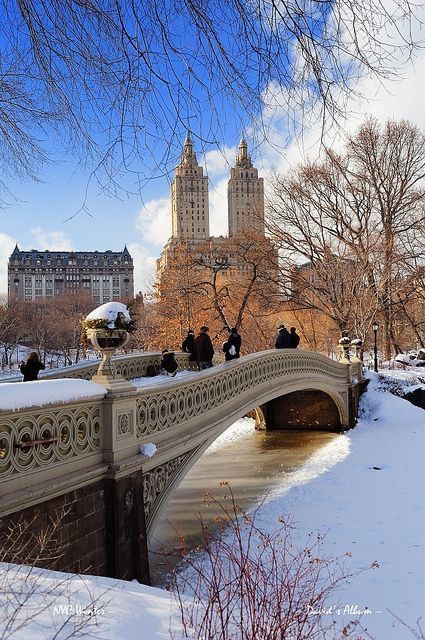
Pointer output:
204, 349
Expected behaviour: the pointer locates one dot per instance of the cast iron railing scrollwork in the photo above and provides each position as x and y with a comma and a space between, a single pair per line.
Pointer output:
38, 439
159, 409
158, 479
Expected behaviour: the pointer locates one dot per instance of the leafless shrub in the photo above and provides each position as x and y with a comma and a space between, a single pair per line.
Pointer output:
250, 584
23, 542
415, 630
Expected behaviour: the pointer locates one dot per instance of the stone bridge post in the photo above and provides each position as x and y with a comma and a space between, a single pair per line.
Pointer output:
125, 525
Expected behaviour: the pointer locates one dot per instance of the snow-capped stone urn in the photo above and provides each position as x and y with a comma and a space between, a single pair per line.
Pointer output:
107, 328
356, 346
344, 348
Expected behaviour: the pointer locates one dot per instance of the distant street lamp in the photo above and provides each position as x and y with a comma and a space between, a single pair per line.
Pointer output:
375, 328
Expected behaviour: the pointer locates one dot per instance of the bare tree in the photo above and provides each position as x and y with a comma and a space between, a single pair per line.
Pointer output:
121, 81
357, 220
12, 331
232, 282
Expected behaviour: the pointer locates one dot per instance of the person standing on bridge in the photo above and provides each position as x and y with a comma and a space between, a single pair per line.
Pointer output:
294, 338
204, 349
31, 367
282, 340
232, 347
188, 345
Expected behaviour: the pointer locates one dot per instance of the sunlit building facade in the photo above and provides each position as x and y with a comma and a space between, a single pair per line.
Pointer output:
104, 276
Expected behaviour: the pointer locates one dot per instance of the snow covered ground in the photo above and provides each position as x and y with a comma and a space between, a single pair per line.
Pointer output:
365, 490
372, 505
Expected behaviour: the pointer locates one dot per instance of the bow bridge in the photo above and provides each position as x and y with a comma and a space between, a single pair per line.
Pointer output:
85, 461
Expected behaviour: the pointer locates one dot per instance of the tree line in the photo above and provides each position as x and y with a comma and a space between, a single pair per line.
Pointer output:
350, 231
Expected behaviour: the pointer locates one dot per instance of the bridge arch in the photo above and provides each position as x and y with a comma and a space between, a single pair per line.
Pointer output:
239, 410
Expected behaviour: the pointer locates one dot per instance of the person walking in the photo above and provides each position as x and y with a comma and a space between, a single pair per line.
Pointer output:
188, 345
282, 340
31, 367
168, 362
204, 349
294, 338
232, 347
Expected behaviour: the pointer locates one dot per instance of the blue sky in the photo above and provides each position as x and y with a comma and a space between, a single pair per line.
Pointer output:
45, 215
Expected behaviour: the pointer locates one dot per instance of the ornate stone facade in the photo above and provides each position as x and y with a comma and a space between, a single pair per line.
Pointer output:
105, 276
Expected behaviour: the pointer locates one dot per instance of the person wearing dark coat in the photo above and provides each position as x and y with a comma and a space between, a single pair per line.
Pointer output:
188, 345
168, 362
204, 349
294, 338
232, 347
282, 340
31, 367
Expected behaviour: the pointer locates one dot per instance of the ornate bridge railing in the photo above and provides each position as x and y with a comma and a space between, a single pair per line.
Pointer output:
43, 443
129, 366
183, 419
170, 405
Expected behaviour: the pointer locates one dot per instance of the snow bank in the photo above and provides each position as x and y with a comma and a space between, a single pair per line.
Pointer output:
236, 432
20, 395
55, 603
371, 506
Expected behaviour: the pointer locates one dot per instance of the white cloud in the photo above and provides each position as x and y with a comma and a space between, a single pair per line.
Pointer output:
144, 267
218, 208
218, 161
51, 240
7, 244
154, 221
397, 99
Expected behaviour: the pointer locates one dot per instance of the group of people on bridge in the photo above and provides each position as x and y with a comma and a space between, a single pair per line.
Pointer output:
201, 350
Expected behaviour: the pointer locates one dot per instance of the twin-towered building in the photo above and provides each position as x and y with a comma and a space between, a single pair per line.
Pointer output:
190, 207
189, 196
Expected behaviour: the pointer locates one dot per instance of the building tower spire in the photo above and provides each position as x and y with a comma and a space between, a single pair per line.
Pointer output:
243, 158
188, 154
189, 197
245, 195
